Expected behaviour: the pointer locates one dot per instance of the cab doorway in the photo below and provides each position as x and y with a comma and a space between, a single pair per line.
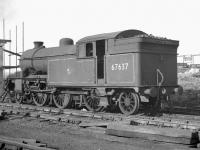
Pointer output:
100, 52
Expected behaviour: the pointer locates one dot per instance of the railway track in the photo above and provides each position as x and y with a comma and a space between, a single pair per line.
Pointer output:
28, 144
12, 110
170, 125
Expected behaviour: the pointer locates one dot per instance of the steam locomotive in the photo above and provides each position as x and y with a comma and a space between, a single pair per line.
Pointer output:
123, 70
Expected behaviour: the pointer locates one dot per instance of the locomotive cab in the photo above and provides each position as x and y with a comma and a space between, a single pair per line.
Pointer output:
96, 49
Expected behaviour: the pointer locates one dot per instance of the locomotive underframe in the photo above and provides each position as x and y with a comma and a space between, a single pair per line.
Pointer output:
95, 98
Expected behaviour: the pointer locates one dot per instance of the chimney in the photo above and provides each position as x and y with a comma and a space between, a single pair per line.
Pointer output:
38, 44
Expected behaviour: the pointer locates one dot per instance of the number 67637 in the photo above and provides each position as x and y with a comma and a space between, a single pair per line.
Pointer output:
121, 66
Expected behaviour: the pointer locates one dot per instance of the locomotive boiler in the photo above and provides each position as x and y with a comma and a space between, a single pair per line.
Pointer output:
36, 59
122, 70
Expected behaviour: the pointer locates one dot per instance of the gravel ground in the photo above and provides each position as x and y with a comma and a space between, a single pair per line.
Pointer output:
71, 137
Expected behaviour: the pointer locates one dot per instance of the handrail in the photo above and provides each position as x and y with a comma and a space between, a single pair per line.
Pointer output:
162, 77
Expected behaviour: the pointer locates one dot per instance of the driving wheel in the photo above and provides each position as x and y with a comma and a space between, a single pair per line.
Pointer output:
62, 100
92, 103
128, 103
40, 99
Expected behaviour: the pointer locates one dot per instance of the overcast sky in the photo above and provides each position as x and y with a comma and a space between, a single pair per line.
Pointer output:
50, 20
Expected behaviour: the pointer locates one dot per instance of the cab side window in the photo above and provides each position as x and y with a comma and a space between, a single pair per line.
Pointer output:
89, 49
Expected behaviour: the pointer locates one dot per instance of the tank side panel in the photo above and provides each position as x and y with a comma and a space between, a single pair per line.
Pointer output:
165, 63
71, 72
120, 70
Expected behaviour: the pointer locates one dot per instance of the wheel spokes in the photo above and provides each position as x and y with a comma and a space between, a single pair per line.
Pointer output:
40, 99
128, 103
92, 103
62, 100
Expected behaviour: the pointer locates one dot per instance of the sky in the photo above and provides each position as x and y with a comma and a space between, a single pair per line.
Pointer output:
51, 20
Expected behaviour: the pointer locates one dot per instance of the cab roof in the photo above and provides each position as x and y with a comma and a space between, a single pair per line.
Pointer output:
112, 35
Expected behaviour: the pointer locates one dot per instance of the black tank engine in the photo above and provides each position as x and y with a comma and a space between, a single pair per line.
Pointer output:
125, 70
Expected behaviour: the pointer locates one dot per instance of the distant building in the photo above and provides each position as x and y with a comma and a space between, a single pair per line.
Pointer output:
196, 59
189, 59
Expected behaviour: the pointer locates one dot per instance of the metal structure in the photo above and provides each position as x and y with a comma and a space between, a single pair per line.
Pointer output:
2, 43
10, 52
2, 50
123, 69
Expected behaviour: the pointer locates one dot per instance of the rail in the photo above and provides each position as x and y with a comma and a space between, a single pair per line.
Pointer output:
7, 142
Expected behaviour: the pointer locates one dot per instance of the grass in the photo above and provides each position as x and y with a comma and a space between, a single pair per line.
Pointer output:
188, 82
191, 94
